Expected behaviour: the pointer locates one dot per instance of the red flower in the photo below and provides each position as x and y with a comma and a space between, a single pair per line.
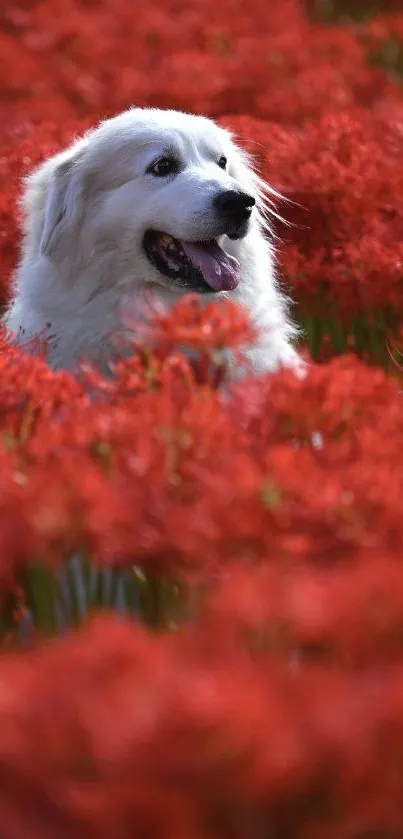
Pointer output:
111, 732
261, 521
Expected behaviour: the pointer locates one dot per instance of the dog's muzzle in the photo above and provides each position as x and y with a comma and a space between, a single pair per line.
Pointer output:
203, 266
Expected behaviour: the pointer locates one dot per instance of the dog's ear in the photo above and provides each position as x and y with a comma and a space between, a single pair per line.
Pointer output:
63, 206
52, 202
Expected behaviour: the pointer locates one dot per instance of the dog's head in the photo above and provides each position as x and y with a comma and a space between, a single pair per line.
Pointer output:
155, 197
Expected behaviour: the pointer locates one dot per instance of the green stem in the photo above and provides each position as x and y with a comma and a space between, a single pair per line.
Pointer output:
41, 589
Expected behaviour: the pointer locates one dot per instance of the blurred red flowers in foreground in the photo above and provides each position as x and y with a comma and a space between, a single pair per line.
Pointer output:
259, 527
114, 733
247, 536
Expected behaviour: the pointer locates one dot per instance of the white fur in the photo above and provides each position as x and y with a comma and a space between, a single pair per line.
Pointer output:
85, 214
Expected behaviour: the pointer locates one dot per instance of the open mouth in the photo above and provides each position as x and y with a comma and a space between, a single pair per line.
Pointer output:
198, 266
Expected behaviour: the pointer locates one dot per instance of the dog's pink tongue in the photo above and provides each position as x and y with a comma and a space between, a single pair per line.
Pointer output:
220, 270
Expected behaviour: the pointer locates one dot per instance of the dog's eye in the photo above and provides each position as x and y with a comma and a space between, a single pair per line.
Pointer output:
222, 162
163, 167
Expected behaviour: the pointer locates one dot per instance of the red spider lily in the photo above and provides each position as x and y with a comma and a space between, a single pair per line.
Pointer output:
182, 479
111, 732
203, 328
30, 390
347, 614
266, 514
343, 256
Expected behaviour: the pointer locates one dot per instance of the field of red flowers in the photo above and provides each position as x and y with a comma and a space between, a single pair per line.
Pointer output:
227, 559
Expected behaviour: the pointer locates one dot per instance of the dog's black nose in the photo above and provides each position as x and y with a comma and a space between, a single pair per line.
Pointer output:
236, 206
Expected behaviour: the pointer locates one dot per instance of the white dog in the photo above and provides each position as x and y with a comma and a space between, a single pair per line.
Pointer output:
150, 198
